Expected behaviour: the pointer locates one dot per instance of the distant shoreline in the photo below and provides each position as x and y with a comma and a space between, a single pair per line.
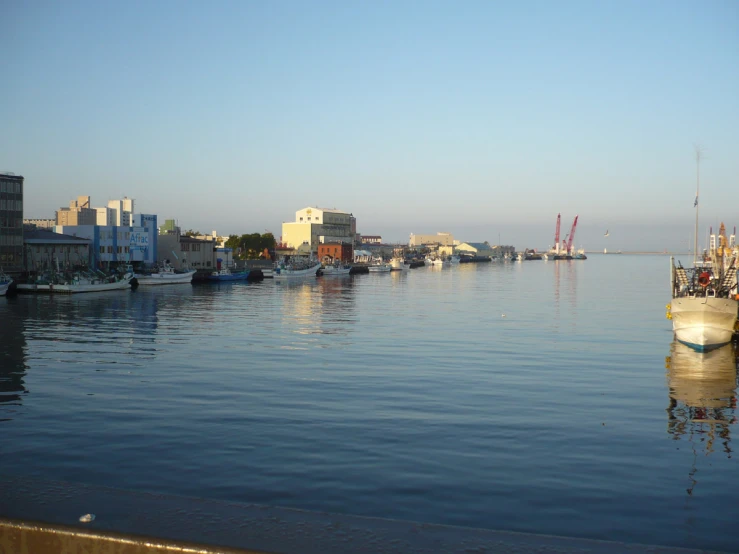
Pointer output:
642, 253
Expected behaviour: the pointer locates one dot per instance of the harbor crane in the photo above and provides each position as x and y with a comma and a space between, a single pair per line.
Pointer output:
568, 246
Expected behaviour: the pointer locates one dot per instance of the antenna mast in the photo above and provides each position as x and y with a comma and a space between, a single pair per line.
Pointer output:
698, 153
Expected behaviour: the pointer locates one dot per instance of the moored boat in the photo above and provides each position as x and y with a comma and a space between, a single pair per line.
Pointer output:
380, 267
165, 275
5, 282
704, 306
79, 282
296, 270
336, 270
225, 274
399, 264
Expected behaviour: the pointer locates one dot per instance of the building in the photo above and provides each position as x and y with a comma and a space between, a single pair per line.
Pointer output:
474, 249
170, 226
11, 222
369, 239
79, 212
46, 250
114, 244
123, 211
47, 224
313, 226
105, 216
183, 251
328, 252
439, 239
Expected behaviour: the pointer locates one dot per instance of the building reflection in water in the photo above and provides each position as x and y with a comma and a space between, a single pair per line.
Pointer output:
325, 306
12, 359
702, 408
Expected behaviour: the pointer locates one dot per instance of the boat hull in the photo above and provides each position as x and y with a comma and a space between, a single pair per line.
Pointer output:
122, 284
165, 278
4, 287
381, 268
243, 276
704, 323
335, 271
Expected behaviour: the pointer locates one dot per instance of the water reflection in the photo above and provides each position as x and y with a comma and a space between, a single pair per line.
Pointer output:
325, 306
702, 388
12, 359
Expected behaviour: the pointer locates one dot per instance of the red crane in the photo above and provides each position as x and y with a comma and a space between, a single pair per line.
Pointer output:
572, 236
556, 234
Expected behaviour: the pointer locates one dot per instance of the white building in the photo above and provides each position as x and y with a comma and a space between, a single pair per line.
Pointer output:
106, 216
313, 226
439, 239
124, 211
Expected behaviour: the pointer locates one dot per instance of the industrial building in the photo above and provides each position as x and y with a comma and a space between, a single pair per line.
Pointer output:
439, 239
313, 226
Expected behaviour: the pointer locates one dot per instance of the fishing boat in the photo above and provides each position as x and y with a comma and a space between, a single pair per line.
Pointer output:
399, 264
704, 305
5, 282
380, 267
334, 270
296, 270
166, 275
453, 259
225, 274
77, 282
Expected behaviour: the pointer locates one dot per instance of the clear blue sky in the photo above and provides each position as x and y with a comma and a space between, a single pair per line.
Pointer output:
469, 117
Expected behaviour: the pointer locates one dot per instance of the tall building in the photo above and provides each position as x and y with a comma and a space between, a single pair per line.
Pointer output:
11, 222
313, 226
79, 213
124, 211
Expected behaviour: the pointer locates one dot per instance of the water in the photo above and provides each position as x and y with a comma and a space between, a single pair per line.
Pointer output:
527, 396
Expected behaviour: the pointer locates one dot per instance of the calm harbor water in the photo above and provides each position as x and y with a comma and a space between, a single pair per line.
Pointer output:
544, 397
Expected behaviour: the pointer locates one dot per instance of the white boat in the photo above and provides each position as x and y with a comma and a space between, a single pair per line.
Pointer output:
704, 306
454, 259
399, 264
166, 275
440, 262
80, 282
380, 268
296, 270
5, 282
336, 270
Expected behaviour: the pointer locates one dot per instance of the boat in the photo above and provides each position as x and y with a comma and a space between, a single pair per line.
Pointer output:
336, 270
296, 270
438, 262
225, 274
379, 267
580, 255
5, 282
166, 275
704, 305
453, 259
399, 264
77, 282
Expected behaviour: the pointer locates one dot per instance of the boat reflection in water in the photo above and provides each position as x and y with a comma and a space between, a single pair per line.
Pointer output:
703, 402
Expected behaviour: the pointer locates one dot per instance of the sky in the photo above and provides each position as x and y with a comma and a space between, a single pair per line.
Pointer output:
483, 119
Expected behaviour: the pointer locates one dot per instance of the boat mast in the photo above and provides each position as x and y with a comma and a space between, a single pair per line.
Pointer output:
697, 191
